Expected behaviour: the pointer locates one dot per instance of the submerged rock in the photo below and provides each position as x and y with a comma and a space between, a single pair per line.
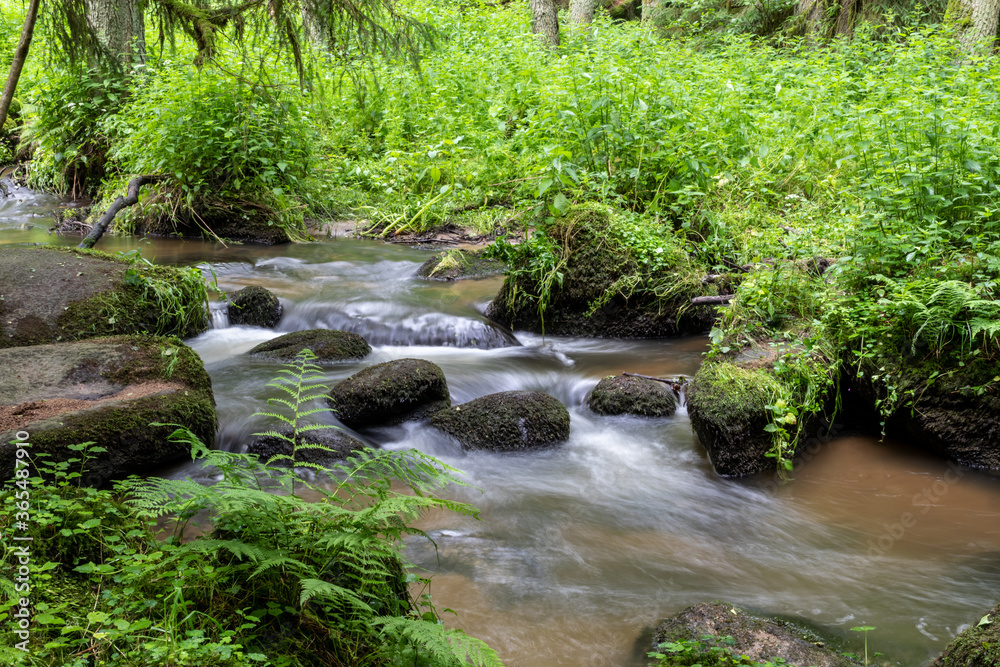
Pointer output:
759, 639
50, 294
460, 265
254, 306
506, 421
107, 391
337, 445
978, 646
389, 393
630, 395
328, 345
593, 268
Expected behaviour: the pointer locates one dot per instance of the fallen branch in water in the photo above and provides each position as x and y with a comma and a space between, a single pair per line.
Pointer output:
676, 380
130, 199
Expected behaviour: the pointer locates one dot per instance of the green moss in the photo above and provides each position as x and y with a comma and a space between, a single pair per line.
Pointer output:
506, 421
624, 394
593, 272
979, 646
327, 344
727, 405
254, 306
390, 392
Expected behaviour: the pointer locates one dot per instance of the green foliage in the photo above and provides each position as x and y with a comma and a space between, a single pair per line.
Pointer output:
264, 576
711, 651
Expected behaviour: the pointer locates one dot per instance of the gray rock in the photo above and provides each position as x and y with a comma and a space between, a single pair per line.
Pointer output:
329, 345
506, 421
630, 395
254, 306
390, 393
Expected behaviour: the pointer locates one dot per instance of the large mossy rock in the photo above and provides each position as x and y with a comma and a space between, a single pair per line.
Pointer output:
978, 646
254, 306
593, 260
506, 421
53, 294
955, 411
336, 446
760, 639
241, 221
390, 393
329, 345
107, 391
727, 403
460, 265
630, 395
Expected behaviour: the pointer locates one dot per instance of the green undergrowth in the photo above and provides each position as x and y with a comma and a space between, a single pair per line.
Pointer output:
243, 571
711, 651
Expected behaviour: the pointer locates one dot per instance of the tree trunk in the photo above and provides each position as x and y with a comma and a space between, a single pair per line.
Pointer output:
545, 21
20, 55
120, 27
649, 8
131, 198
581, 12
845, 19
978, 20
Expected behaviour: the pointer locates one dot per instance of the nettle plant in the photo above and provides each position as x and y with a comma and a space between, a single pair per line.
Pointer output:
246, 570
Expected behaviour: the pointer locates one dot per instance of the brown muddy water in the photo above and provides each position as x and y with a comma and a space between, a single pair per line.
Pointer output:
580, 550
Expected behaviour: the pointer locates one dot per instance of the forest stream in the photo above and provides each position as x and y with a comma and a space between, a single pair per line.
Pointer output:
581, 547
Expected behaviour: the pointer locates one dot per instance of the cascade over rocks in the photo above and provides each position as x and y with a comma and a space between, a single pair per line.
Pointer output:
389, 393
760, 639
107, 391
977, 646
254, 306
51, 294
338, 446
594, 264
329, 345
506, 421
630, 395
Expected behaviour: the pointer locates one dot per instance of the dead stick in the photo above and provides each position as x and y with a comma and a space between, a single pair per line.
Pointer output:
679, 379
707, 300
119, 203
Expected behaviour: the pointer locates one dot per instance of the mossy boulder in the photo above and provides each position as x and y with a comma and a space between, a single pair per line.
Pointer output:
630, 395
52, 294
978, 646
760, 639
390, 393
254, 306
506, 421
598, 264
460, 265
107, 391
727, 403
337, 446
329, 345
234, 220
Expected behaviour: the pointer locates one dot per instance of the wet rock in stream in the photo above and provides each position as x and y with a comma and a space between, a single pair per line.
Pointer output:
389, 393
328, 346
506, 421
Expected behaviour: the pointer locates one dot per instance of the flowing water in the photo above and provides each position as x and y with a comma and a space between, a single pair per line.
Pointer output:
581, 549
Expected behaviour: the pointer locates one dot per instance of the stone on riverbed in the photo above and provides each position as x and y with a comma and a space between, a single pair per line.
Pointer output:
51, 294
506, 421
978, 646
107, 391
631, 395
254, 306
329, 345
337, 445
760, 639
460, 265
390, 393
